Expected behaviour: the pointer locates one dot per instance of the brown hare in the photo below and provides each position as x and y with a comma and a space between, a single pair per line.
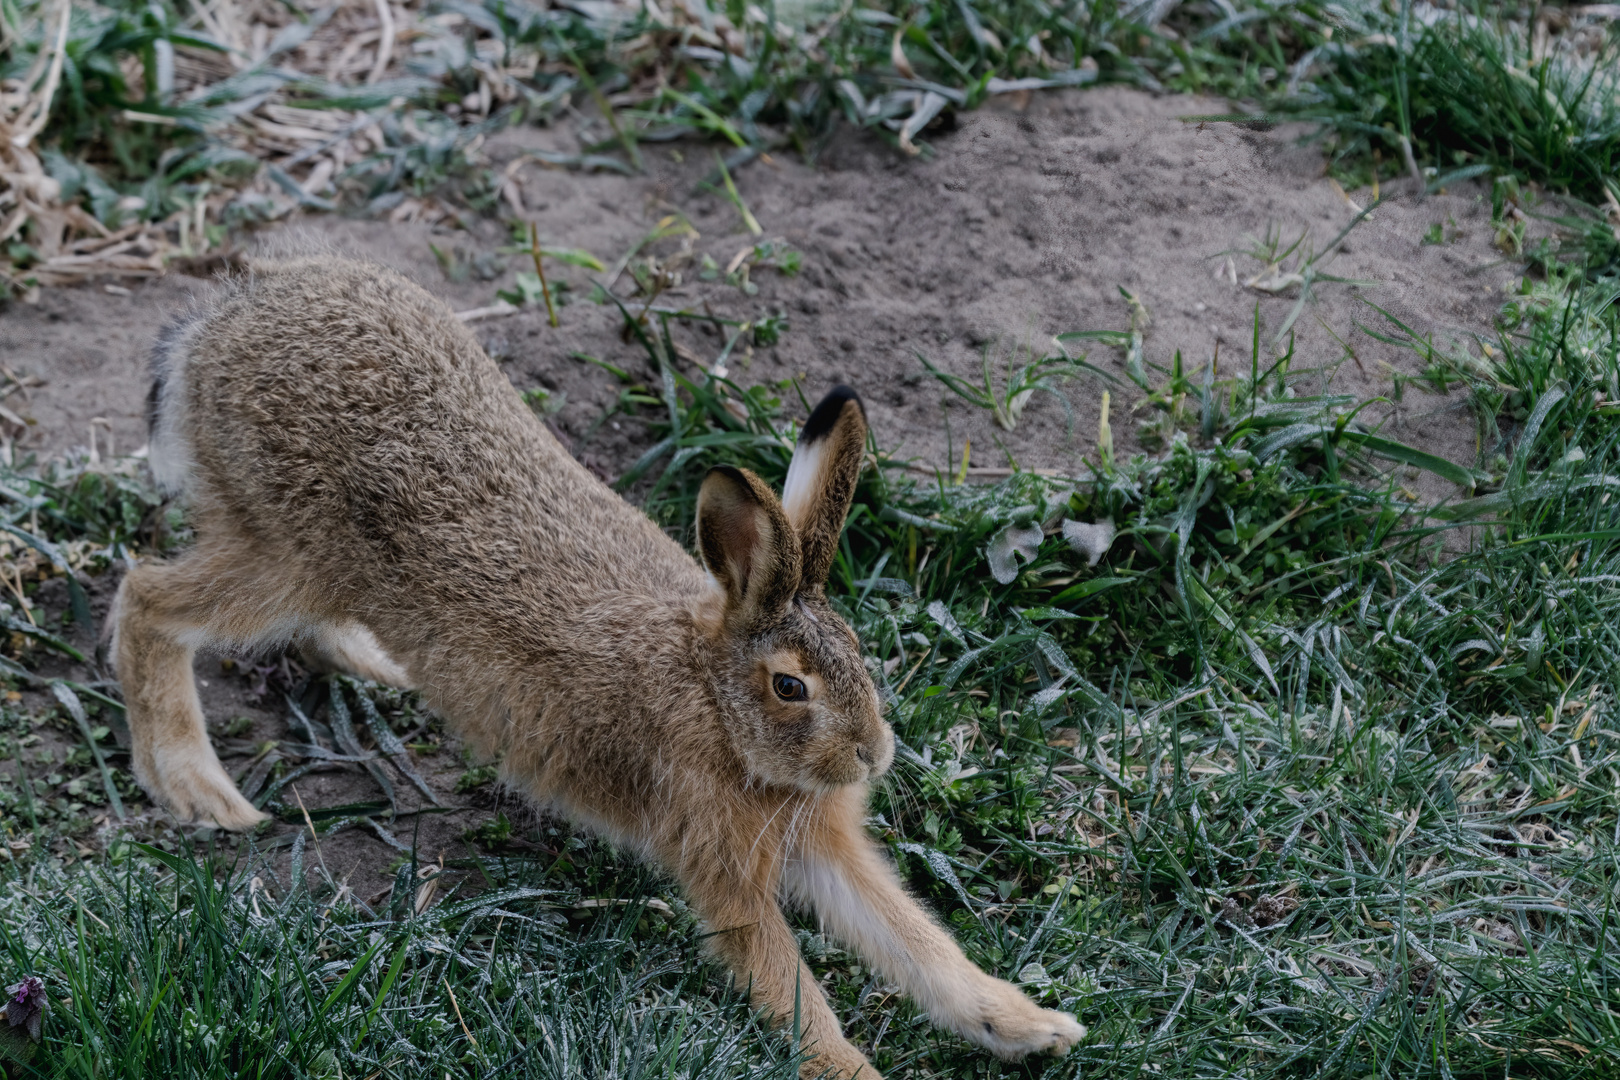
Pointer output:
366, 483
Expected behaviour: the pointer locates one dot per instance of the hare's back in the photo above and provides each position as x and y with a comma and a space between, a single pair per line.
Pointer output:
337, 405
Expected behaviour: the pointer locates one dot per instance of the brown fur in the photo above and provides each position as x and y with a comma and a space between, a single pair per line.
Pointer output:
365, 482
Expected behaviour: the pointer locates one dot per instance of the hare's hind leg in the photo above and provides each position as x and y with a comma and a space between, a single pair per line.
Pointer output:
351, 648
165, 611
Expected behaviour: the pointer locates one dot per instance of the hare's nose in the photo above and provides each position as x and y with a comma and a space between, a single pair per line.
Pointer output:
865, 755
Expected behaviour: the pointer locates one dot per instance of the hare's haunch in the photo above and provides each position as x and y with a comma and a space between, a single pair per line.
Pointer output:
366, 483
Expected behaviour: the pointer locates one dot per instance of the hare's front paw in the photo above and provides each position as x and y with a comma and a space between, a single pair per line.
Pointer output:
197, 790
838, 1063
1010, 1025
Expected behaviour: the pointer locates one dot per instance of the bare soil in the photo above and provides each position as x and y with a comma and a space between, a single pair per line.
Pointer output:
1024, 222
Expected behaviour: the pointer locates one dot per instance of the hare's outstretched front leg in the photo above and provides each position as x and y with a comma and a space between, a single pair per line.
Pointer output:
755, 941
163, 613
839, 871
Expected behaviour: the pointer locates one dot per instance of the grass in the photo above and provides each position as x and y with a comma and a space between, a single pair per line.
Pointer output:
171, 973
1020, 381
1525, 99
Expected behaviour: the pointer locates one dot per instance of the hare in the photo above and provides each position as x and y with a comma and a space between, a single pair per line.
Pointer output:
364, 482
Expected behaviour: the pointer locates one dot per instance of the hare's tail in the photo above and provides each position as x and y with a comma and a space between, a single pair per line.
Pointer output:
169, 448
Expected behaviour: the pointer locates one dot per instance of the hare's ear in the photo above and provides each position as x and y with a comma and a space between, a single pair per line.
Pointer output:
821, 479
747, 543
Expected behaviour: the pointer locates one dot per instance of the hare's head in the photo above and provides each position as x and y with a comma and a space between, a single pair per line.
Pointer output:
799, 704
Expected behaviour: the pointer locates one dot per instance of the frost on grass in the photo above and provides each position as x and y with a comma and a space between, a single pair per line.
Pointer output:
1091, 540
1024, 540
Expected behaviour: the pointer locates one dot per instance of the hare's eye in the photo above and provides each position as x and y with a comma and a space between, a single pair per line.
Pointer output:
788, 688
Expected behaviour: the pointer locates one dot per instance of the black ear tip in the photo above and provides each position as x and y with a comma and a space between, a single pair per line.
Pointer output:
827, 412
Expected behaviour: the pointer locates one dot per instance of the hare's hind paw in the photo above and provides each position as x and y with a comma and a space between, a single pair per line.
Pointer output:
200, 793
354, 650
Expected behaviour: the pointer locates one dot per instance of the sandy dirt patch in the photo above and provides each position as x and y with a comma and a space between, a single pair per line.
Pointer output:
1023, 225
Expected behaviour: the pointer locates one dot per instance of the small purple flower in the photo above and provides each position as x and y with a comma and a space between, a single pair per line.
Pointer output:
26, 1005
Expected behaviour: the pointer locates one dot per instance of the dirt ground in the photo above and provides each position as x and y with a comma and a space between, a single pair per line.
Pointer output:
1024, 222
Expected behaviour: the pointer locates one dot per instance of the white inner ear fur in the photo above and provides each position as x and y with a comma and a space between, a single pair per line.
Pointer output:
738, 530
744, 550
804, 480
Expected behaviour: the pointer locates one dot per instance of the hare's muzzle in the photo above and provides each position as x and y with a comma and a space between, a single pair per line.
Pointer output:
877, 751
